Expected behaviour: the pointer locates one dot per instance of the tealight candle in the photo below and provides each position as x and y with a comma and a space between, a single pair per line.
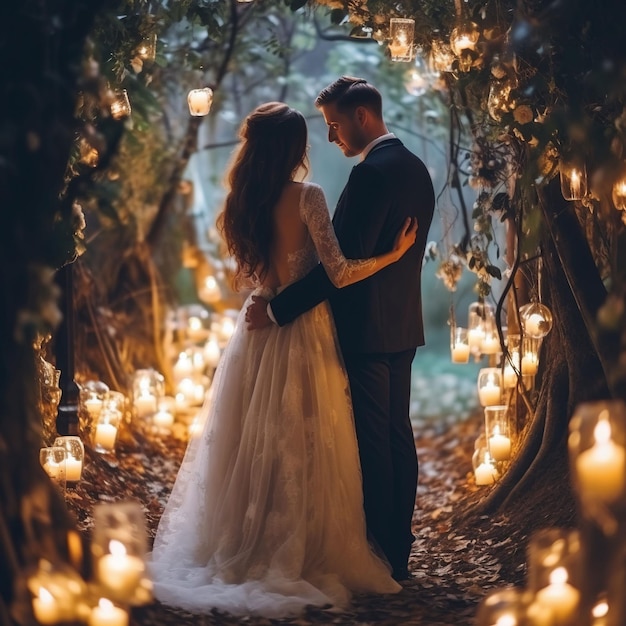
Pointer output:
499, 446
73, 468
105, 436
560, 597
212, 353
107, 614
145, 404
163, 419
460, 353
489, 393
183, 368
601, 470
530, 364
93, 406
45, 607
486, 473
490, 344
118, 571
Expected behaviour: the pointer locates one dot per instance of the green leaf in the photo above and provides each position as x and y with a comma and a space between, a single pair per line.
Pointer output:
494, 271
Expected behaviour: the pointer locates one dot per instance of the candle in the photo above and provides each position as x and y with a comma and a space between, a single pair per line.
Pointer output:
199, 101
210, 291
181, 401
530, 364
499, 445
52, 468
560, 597
460, 353
601, 469
227, 328
167, 403
183, 368
163, 419
486, 473
146, 403
212, 353
490, 344
105, 436
45, 607
195, 329
119, 571
93, 406
489, 394
107, 614
475, 336
73, 468
198, 362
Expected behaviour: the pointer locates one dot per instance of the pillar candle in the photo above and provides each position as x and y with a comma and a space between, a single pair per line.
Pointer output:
105, 436
107, 614
45, 607
460, 353
560, 597
119, 571
499, 447
73, 468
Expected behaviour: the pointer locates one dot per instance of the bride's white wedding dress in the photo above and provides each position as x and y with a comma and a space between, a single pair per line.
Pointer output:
266, 513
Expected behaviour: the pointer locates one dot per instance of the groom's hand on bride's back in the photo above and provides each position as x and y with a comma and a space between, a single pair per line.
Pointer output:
256, 314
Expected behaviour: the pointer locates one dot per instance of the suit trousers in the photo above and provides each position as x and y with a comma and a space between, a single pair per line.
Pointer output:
380, 385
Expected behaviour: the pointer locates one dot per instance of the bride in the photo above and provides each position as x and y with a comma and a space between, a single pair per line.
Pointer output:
266, 514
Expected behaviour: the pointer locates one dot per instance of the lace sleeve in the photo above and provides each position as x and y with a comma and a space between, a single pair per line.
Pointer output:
315, 214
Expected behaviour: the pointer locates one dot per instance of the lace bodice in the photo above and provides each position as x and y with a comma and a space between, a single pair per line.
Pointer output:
322, 244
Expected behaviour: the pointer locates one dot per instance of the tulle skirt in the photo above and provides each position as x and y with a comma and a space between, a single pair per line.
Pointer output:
266, 515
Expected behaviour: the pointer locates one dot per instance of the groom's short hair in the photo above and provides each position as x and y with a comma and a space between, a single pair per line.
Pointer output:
348, 92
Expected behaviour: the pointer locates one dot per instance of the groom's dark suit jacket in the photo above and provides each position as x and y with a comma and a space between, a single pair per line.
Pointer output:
384, 312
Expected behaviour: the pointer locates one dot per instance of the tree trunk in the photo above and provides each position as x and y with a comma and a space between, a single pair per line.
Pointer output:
535, 489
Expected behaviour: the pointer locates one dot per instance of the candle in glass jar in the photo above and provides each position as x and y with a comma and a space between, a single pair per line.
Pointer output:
73, 468
119, 571
601, 470
560, 597
532, 325
183, 368
490, 344
486, 473
163, 419
52, 468
530, 364
45, 607
475, 336
93, 406
489, 394
105, 436
107, 614
212, 353
145, 404
499, 445
460, 353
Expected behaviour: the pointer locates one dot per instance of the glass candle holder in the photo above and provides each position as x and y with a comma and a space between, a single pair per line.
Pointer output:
549, 548
146, 50
489, 386
117, 403
530, 356
560, 598
57, 591
503, 607
120, 107
490, 342
212, 352
536, 319
200, 101
401, 35
92, 396
106, 613
148, 388
485, 470
597, 449
573, 178
119, 547
459, 346
106, 430
497, 431
464, 36
75, 456
479, 317
52, 460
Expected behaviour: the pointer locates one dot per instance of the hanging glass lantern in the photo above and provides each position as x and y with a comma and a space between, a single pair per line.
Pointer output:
147, 48
120, 107
441, 56
619, 194
199, 101
480, 319
401, 34
464, 37
416, 79
499, 100
536, 319
573, 180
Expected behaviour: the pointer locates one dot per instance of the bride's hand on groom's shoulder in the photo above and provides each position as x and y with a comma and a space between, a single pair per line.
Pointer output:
256, 314
405, 237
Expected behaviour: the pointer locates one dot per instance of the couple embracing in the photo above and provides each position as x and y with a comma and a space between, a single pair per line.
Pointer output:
300, 490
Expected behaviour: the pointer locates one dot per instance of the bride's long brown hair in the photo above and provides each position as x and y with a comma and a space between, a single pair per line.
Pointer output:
273, 149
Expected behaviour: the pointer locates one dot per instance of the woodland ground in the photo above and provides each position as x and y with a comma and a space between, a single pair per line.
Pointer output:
455, 562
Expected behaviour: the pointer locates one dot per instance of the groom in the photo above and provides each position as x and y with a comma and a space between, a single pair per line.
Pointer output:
379, 320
